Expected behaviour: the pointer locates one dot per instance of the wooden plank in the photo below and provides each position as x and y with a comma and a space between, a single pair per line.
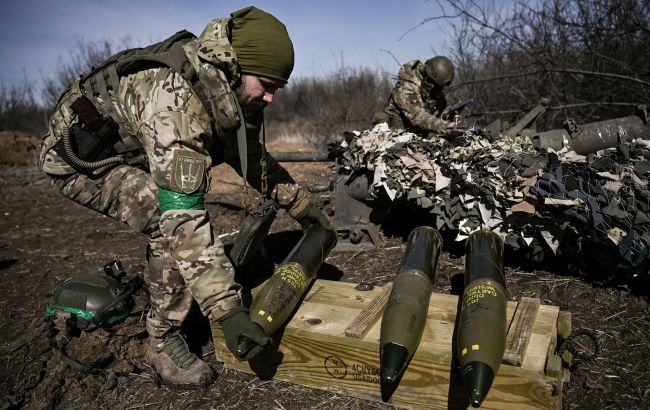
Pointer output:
543, 334
536, 352
361, 324
327, 310
341, 295
563, 332
441, 318
567, 359
554, 366
519, 332
351, 366
313, 351
546, 321
323, 319
564, 324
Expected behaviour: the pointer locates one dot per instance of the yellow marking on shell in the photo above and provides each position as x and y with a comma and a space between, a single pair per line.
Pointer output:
464, 352
261, 313
270, 319
475, 347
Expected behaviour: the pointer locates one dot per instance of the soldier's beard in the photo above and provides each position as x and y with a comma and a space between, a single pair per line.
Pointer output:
250, 108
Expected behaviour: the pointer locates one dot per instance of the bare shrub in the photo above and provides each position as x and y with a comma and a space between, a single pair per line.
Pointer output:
18, 149
315, 110
590, 57
19, 110
84, 55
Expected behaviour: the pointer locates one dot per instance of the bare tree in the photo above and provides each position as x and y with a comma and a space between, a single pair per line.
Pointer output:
81, 57
590, 57
317, 109
19, 110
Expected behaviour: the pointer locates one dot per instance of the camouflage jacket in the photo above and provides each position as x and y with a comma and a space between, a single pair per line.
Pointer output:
177, 132
412, 105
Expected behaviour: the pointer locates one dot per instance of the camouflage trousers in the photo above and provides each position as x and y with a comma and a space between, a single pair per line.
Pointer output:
128, 194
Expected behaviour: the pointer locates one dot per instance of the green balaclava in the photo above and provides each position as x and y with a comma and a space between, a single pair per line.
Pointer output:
262, 44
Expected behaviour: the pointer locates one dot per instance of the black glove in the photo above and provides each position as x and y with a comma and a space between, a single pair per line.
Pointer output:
235, 324
313, 215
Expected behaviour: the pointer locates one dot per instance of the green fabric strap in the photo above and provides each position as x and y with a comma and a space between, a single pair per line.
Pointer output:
170, 200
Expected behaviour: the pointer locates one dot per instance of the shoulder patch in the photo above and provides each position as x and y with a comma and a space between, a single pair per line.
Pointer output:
413, 98
188, 170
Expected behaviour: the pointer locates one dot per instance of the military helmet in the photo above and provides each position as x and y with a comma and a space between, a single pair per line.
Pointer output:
440, 70
98, 299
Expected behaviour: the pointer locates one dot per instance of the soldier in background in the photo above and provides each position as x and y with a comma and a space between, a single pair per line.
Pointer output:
417, 101
168, 120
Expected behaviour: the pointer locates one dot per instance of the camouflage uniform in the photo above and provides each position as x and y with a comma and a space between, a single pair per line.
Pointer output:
159, 108
414, 105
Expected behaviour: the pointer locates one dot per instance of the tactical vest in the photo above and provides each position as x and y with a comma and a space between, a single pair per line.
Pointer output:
98, 81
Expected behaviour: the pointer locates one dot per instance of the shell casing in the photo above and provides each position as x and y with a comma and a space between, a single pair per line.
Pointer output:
484, 258
279, 296
405, 315
422, 251
313, 248
403, 322
482, 327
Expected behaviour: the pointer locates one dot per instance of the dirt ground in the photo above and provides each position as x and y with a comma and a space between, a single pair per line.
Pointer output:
45, 239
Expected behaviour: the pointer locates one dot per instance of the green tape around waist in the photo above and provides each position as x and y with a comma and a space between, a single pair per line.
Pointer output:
170, 200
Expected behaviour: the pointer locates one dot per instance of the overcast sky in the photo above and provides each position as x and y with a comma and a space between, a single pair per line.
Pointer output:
35, 35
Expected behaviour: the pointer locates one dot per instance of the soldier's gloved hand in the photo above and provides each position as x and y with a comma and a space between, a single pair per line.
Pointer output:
312, 215
235, 324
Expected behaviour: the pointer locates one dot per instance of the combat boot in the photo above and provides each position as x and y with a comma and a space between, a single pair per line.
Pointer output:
174, 362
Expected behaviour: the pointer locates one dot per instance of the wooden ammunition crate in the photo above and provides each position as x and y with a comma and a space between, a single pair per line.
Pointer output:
315, 351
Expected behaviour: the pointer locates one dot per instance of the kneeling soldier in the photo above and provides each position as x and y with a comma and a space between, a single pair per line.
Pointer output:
135, 139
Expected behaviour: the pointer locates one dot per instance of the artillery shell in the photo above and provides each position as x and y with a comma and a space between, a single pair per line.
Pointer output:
279, 296
482, 326
404, 318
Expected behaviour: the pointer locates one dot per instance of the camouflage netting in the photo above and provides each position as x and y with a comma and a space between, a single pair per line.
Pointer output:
539, 202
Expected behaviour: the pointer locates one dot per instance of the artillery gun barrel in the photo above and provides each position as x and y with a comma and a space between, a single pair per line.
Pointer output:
482, 323
403, 321
316, 156
595, 136
279, 296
